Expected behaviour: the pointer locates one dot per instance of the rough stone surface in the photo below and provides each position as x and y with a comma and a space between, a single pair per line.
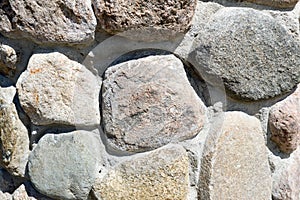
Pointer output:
143, 111
45, 21
14, 139
5, 196
64, 166
170, 17
286, 182
263, 60
8, 60
284, 122
21, 194
9, 183
275, 3
162, 174
235, 161
55, 89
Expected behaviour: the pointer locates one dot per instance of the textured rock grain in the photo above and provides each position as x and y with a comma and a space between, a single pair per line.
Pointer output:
235, 162
284, 122
275, 3
156, 18
161, 174
148, 103
250, 51
65, 166
8, 60
56, 90
14, 139
68, 22
286, 182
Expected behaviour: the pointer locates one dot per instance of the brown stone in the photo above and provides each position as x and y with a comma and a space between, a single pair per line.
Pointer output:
148, 103
284, 122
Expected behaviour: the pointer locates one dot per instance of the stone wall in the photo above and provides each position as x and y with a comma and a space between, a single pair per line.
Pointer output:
106, 100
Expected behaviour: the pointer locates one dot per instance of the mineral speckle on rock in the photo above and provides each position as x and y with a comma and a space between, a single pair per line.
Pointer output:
74, 101
284, 122
162, 174
68, 22
172, 17
263, 60
148, 103
14, 139
235, 165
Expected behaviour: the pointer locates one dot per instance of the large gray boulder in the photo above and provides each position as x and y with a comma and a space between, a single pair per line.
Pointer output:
14, 139
57, 90
148, 103
250, 51
44, 21
235, 161
161, 174
64, 166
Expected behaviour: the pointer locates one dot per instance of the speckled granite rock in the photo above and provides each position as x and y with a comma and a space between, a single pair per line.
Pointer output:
148, 103
14, 139
64, 166
284, 122
263, 60
161, 174
57, 90
235, 161
43, 21
156, 18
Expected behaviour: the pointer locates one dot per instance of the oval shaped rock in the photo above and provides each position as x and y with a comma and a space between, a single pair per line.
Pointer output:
284, 122
250, 51
68, 22
57, 90
162, 174
64, 166
14, 139
161, 18
148, 103
235, 161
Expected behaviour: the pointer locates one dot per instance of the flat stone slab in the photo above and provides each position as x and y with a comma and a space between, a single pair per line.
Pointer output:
252, 53
162, 174
235, 161
57, 90
149, 102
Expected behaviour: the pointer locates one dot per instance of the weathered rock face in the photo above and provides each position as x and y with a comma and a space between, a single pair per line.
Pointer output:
286, 182
65, 166
45, 21
284, 122
171, 16
276, 3
21, 194
264, 58
74, 101
8, 59
162, 174
147, 110
14, 140
236, 166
